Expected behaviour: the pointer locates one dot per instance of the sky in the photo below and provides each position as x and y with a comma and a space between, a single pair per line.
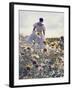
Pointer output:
53, 21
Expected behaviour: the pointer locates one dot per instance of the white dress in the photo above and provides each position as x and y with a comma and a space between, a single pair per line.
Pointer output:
37, 36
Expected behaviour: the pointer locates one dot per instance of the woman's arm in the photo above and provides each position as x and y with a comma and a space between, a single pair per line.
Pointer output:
44, 32
34, 28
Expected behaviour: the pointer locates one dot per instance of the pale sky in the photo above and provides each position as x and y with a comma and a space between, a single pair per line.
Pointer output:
53, 21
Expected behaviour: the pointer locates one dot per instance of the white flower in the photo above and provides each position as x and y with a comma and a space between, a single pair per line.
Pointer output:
42, 64
47, 60
35, 55
40, 68
62, 58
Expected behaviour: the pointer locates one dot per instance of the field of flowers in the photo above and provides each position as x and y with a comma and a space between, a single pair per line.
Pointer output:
41, 63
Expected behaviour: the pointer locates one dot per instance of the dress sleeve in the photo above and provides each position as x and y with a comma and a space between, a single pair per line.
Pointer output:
44, 28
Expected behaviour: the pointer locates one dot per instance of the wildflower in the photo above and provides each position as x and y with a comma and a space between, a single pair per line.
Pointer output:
28, 67
28, 48
44, 50
52, 66
45, 43
22, 53
42, 64
36, 66
39, 33
35, 56
33, 41
40, 68
34, 62
22, 46
46, 60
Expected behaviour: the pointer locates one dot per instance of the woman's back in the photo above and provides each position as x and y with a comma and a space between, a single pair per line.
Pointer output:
39, 27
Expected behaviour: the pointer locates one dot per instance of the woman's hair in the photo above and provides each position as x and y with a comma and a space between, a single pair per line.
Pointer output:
41, 19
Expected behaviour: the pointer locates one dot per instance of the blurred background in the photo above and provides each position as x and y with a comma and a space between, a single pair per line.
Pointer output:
53, 21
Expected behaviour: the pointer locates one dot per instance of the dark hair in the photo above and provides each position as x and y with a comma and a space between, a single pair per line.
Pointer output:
41, 19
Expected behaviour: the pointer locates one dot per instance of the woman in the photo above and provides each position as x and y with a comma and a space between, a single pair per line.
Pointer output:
38, 34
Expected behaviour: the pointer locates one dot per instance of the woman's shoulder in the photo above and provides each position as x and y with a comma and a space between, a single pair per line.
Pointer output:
35, 24
38, 24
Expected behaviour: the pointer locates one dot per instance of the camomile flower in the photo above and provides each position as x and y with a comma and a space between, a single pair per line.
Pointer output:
40, 68
52, 66
22, 46
33, 41
29, 66
38, 33
35, 55
42, 65
44, 50
45, 43
28, 48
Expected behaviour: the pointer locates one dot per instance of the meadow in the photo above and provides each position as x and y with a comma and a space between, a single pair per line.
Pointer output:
41, 63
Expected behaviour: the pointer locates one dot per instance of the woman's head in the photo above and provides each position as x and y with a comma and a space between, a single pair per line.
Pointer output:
41, 20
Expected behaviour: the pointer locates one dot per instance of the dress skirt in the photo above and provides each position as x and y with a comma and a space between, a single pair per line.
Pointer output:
34, 38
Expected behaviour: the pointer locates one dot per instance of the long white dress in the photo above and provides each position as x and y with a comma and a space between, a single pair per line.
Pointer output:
37, 36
